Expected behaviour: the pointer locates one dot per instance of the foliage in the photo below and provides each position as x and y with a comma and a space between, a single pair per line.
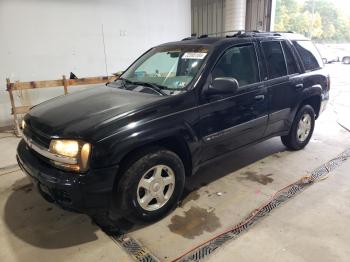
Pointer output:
318, 19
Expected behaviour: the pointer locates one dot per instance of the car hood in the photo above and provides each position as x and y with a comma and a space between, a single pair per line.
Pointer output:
77, 114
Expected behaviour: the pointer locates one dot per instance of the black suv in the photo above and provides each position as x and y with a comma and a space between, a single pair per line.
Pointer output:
126, 148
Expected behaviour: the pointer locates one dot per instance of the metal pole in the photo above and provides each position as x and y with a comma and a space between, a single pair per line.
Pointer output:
311, 29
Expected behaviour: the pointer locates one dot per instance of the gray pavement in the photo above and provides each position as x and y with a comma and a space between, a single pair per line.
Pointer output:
310, 227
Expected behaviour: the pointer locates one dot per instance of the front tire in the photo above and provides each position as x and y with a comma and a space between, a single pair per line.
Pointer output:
301, 130
151, 185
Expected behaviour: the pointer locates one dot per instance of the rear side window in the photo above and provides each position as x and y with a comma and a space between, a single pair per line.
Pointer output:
239, 62
291, 64
276, 66
309, 55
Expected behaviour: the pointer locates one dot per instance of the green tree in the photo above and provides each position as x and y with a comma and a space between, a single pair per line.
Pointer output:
318, 19
292, 16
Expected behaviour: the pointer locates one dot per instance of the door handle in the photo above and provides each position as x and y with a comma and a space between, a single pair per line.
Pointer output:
259, 97
299, 86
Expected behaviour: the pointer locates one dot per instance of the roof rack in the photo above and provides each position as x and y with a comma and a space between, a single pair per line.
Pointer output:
243, 33
283, 32
238, 33
193, 36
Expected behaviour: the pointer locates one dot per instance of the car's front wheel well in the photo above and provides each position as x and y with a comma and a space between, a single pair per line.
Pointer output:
174, 143
315, 102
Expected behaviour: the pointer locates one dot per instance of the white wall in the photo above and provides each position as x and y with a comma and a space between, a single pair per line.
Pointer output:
43, 39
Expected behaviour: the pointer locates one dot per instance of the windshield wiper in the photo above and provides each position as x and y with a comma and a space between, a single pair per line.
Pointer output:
151, 85
155, 87
125, 81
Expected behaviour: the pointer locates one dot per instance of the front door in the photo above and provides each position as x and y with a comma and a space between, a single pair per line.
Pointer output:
230, 121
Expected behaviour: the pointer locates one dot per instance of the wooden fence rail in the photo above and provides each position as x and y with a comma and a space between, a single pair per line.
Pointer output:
11, 87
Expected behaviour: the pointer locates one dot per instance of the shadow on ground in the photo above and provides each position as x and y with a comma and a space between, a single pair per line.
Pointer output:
29, 217
233, 162
221, 168
33, 220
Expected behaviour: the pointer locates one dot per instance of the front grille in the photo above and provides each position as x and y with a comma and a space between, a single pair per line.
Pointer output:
37, 137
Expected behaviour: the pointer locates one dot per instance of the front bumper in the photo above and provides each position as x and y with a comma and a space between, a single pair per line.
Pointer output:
84, 193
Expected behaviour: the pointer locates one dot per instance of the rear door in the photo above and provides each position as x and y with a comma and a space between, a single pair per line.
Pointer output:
283, 81
231, 121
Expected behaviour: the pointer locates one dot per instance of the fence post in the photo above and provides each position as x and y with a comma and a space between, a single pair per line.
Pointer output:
65, 85
9, 89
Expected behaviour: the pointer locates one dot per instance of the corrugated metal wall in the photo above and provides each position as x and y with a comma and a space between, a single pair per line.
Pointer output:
207, 16
213, 16
258, 15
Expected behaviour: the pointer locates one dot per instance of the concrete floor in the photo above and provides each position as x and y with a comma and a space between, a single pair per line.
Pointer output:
310, 227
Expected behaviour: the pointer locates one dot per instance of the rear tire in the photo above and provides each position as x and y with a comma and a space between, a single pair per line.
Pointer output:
151, 185
301, 130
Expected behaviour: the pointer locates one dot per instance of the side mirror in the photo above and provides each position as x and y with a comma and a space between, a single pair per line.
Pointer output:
222, 86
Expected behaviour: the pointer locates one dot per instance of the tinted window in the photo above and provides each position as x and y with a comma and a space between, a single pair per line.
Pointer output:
238, 62
276, 65
309, 55
291, 65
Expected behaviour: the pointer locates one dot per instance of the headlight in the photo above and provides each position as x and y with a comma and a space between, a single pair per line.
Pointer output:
69, 148
71, 151
23, 124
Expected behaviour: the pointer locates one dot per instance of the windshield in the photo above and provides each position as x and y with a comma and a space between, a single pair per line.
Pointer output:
170, 68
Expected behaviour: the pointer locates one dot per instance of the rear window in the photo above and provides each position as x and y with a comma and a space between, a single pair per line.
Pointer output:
291, 65
309, 55
276, 65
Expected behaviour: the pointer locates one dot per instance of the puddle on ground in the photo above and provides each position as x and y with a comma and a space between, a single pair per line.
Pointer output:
194, 223
191, 196
253, 176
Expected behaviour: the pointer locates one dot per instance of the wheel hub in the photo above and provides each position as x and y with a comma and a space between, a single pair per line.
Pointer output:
304, 127
156, 187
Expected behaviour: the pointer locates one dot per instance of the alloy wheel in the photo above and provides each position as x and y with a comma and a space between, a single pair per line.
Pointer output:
156, 187
304, 127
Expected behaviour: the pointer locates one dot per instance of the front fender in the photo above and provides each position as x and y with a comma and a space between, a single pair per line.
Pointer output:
113, 149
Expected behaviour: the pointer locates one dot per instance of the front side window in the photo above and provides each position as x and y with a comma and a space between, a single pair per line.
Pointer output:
276, 65
170, 68
309, 55
238, 62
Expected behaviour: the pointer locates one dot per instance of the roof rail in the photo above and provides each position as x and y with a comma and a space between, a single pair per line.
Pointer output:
243, 33
283, 32
203, 36
193, 36
238, 33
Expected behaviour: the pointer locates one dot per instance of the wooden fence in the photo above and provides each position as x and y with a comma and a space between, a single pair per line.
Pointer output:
64, 82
